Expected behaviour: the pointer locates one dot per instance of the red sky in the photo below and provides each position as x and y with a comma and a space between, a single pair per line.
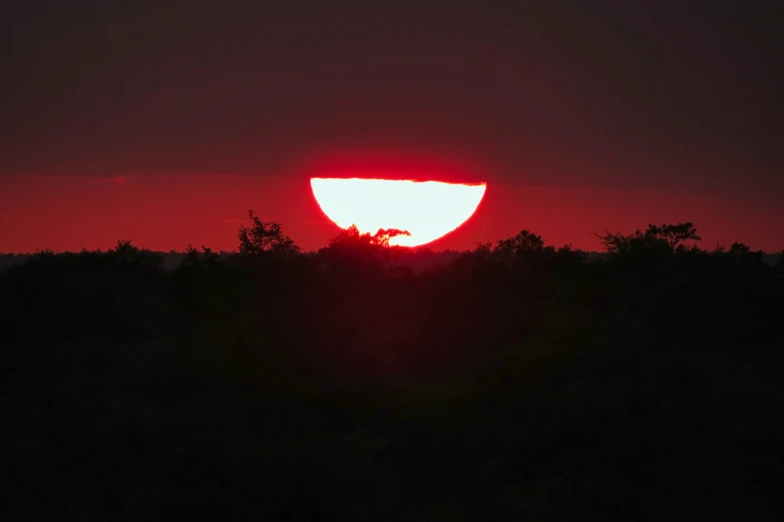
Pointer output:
169, 212
580, 116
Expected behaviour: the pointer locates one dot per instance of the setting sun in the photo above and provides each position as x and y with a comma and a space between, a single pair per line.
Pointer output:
428, 210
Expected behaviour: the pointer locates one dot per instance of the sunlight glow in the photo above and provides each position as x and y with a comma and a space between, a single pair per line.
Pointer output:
427, 209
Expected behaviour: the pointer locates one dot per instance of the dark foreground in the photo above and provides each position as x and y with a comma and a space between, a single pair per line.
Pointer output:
519, 382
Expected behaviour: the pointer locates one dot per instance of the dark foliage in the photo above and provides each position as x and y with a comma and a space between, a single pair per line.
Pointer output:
265, 238
518, 381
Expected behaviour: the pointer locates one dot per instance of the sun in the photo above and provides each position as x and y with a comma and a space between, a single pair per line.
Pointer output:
428, 210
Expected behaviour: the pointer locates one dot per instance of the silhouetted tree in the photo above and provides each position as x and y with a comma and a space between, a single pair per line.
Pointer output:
391, 252
204, 259
129, 254
524, 241
513, 248
352, 247
674, 235
350, 238
265, 237
743, 251
668, 237
483, 249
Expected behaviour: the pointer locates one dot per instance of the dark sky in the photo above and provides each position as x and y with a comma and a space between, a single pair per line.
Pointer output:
603, 110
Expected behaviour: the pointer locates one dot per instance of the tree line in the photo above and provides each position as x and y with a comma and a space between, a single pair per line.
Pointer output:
513, 381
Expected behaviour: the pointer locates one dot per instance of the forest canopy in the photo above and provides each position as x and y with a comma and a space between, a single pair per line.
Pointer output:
514, 381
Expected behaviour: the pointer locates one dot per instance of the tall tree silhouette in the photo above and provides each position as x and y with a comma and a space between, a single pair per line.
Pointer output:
265, 237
